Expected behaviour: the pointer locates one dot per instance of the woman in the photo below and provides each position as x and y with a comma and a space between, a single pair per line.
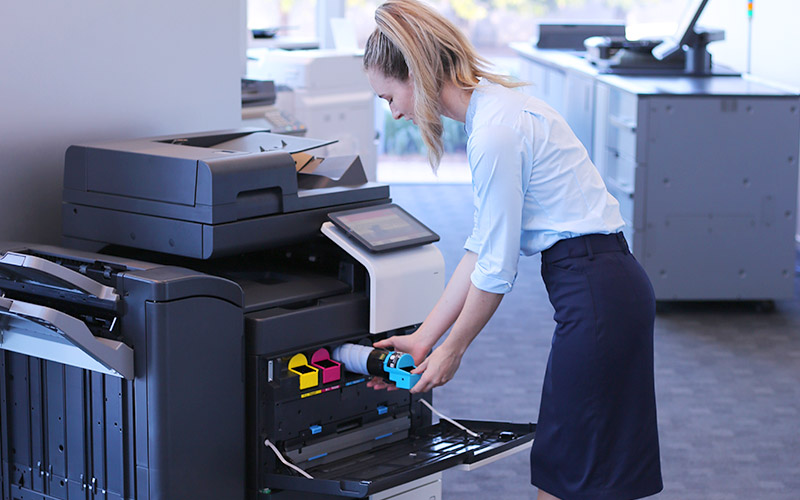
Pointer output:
535, 190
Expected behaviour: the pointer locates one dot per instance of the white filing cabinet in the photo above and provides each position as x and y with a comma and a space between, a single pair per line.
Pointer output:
571, 93
615, 154
705, 171
330, 95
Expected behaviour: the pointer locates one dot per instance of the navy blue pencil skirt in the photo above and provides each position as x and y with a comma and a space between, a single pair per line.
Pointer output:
597, 436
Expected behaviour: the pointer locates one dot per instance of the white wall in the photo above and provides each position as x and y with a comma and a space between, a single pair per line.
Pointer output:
89, 70
775, 40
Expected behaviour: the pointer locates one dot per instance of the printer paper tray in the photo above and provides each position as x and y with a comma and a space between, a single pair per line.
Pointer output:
428, 451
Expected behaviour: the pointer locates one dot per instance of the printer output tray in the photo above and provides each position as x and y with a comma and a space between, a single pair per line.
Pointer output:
44, 331
427, 451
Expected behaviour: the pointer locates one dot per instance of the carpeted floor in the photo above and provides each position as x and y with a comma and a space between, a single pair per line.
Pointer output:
727, 380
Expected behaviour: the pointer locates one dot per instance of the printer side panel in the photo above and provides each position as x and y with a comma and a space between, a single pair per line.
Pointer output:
195, 400
67, 429
16, 428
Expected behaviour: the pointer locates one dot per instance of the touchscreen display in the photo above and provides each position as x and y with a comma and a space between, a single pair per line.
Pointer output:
383, 228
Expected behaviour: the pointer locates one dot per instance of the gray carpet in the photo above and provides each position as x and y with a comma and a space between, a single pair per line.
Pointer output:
727, 380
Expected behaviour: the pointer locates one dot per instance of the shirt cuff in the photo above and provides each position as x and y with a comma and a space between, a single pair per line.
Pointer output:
489, 283
471, 245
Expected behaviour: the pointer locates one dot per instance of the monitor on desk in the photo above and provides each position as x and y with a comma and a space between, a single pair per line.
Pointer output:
685, 33
682, 54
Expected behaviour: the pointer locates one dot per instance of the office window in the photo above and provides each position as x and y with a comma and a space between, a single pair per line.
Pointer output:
491, 25
293, 19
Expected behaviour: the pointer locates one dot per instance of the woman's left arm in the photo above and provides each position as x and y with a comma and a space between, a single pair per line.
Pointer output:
441, 365
497, 156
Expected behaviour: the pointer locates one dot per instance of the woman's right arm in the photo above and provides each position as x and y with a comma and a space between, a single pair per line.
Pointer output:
441, 317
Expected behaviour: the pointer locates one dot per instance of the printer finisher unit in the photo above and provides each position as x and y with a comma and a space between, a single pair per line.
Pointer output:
175, 430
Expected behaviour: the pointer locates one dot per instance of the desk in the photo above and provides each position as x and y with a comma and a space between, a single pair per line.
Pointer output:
705, 170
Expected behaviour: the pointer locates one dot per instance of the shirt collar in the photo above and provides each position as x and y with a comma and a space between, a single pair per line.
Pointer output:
472, 107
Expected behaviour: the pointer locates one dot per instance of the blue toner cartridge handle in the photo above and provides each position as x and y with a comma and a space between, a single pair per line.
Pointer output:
398, 366
391, 365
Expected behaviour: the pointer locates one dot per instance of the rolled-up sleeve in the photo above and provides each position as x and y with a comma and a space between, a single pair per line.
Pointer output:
496, 158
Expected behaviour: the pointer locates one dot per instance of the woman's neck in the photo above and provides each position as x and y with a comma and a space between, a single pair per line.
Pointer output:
455, 101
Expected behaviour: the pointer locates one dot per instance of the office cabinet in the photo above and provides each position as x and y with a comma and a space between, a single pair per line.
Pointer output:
615, 156
568, 92
705, 171
546, 83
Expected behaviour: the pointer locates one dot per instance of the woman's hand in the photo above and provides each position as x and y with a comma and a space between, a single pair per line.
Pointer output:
438, 368
413, 344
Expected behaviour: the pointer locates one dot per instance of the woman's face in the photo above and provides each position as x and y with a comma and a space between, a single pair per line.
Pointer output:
399, 94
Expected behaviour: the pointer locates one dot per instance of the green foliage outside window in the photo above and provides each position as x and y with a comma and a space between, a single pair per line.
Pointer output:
401, 137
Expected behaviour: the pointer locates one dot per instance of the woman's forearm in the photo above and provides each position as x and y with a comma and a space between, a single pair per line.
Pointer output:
450, 304
478, 308
440, 367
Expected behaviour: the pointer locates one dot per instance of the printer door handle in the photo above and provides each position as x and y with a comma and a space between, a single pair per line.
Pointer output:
75, 279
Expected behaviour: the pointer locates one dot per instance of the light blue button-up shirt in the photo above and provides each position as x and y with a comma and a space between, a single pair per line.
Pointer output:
533, 184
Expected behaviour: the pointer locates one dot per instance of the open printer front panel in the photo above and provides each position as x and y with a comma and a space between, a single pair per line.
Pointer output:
301, 302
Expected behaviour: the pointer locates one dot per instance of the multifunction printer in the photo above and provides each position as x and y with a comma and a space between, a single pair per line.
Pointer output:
201, 333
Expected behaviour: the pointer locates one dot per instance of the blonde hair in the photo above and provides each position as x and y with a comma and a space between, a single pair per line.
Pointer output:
412, 39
